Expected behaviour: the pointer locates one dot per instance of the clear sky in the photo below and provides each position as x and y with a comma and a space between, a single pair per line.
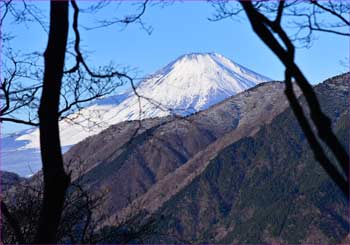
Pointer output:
183, 28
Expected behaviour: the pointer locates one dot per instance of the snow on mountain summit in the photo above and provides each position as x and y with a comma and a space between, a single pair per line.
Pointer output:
191, 83
196, 81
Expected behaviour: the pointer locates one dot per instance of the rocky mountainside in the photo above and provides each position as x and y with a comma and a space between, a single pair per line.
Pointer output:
239, 172
189, 84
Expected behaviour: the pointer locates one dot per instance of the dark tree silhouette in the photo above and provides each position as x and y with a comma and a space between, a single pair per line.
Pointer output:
12, 223
21, 86
81, 220
271, 32
265, 28
17, 97
56, 181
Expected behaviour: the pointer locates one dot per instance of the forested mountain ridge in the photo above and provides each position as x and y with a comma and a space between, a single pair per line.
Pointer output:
268, 188
238, 172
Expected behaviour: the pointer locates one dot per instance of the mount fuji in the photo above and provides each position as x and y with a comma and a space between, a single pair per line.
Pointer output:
191, 83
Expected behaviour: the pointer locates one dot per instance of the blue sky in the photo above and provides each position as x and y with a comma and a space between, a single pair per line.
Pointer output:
183, 28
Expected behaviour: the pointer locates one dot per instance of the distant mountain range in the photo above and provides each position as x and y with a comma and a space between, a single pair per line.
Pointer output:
191, 83
238, 172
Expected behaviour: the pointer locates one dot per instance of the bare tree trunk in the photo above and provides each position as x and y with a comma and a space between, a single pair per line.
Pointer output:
56, 180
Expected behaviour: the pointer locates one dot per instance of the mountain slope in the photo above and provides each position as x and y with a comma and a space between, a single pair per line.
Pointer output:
163, 147
266, 187
238, 172
8, 179
191, 83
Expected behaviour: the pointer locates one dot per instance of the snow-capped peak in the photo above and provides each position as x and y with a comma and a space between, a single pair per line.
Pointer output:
196, 81
191, 83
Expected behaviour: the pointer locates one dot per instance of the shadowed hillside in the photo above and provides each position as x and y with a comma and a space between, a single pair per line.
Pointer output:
268, 188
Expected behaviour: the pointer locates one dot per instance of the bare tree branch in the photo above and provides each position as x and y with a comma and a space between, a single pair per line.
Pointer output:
128, 19
331, 11
261, 26
316, 147
12, 222
279, 12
